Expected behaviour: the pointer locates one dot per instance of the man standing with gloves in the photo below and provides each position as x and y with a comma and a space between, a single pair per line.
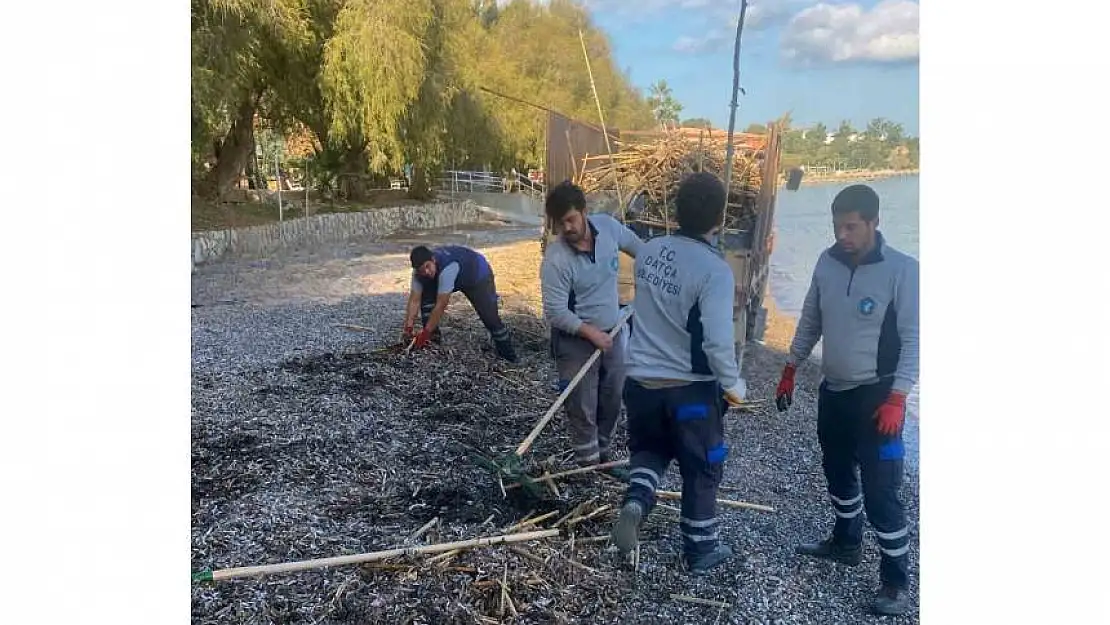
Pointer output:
580, 303
439, 273
682, 370
864, 301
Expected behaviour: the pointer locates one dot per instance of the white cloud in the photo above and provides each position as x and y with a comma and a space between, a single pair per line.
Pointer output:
761, 14
843, 33
766, 13
712, 41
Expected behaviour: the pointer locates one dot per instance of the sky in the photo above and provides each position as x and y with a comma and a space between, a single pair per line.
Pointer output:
821, 61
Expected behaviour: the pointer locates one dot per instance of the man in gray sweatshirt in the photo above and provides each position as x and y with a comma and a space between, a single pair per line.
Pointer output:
682, 370
580, 303
864, 301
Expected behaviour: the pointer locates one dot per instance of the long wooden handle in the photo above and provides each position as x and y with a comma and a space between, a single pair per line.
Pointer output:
542, 423
288, 567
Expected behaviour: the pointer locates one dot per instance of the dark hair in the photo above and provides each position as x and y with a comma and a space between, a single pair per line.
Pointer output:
420, 255
563, 198
699, 203
858, 198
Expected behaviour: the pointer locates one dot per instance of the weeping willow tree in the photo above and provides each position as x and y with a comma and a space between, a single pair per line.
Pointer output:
536, 55
443, 96
234, 47
385, 83
226, 87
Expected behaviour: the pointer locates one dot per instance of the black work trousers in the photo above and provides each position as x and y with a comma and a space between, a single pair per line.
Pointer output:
482, 296
682, 423
850, 442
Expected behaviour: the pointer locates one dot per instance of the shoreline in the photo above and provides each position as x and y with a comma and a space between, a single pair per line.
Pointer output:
857, 176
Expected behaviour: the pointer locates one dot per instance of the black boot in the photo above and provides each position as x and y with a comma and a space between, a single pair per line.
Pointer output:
890, 601
505, 350
626, 532
702, 564
829, 549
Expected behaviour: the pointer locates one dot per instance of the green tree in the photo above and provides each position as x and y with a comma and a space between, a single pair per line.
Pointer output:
229, 79
663, 103
816, 137
384, 83
890, 147
696, 122
845, 130
895, 133
876, 129
913, 146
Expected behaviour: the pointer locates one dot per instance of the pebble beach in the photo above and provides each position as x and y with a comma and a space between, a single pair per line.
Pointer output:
310, 440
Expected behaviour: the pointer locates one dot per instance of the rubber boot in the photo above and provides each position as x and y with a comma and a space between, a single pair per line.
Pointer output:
703, 563
505, 350
829, 549
890, 601
626, 531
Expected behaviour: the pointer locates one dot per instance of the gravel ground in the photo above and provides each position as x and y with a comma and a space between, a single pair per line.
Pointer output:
308, 442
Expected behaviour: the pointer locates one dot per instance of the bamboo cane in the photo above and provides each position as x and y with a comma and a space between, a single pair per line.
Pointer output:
304, 565
601, 116
542, 423
728, 503
597, 467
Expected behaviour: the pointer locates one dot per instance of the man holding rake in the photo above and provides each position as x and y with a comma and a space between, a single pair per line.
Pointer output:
581, 304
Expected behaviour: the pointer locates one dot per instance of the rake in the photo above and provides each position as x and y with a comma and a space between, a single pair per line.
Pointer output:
510, 467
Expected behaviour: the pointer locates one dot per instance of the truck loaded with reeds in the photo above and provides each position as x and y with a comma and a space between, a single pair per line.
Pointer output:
637, 183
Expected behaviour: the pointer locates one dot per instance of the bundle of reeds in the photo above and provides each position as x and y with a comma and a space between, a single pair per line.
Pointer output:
650, 172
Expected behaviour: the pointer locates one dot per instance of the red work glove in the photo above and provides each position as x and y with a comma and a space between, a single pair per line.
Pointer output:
422, 339
891, 414
408, 334
784, 396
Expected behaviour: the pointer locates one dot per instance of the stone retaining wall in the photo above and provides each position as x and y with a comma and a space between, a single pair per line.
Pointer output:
307, 232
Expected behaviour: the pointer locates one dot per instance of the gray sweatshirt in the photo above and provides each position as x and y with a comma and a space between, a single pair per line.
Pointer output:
868, 317
581, 287
683, 328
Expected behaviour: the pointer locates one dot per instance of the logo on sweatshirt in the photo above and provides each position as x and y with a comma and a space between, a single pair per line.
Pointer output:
867, 306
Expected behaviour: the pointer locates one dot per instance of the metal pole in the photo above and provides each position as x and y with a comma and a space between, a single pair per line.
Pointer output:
729, 149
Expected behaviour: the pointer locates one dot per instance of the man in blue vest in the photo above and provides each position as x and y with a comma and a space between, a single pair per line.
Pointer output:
436, 274
581, 304
682, 371
864, 301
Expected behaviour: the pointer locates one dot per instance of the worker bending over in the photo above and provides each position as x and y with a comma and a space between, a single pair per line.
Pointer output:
580, 303
682, 371
436, 274
863, 300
